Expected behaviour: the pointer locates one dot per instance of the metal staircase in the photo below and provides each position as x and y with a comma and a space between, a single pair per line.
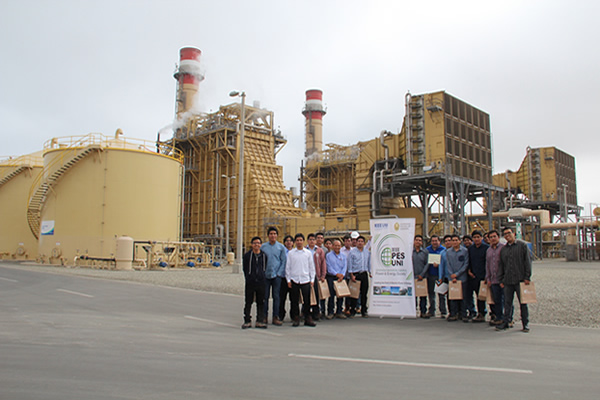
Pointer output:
16, 172
38, 198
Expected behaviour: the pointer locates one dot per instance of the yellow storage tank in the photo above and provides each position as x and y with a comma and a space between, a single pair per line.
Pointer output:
17, 242
95, 189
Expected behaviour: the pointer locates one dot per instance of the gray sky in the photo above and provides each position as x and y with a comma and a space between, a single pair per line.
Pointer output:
74, 67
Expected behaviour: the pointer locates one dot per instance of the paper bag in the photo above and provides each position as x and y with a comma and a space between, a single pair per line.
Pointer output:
354, 288
490, 297
455, 290
483, 291
323, 289
341, 288
421, 288
528, 293
313, 297
441, 288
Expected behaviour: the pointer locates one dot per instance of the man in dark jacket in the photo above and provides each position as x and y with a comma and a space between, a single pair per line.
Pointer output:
514, 268
477, 254
255, 265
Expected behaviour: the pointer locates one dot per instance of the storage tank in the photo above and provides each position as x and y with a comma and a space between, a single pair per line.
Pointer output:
95, 189
17, 242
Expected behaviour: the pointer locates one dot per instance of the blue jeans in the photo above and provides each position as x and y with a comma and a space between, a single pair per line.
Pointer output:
498, 296
431, 292
474, 284
274, 285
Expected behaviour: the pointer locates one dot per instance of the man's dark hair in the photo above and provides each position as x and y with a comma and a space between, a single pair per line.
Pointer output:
288, 237
319, 234
477, 232
435, 236
493, 231
271, 229
506, 228
447, 236
468, 237
327, 240
454, 235
311, 235
298, 235
419, 236
255, 238
361, 237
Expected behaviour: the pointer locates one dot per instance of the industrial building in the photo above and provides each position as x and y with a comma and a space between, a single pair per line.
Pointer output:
16, 178
96, 198
211, 146
440, 160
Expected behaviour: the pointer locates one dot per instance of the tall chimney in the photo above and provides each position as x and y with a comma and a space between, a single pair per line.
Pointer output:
188, 77
314, 111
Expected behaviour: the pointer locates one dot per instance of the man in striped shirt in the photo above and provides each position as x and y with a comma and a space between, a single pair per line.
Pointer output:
514, 267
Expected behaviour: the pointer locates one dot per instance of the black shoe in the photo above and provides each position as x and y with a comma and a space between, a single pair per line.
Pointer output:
525, 328
365, 314
502, 327
296, 322
246, 325
309, 322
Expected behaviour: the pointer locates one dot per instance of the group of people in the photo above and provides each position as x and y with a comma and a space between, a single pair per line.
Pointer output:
476, 259
297, 268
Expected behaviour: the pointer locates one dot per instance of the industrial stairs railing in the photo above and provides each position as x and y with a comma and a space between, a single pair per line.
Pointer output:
39, 191
16, 172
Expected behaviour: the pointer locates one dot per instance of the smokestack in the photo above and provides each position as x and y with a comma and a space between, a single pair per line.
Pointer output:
188, 77
314, 111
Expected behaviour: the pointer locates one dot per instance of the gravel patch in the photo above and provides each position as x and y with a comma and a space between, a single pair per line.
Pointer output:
567, 292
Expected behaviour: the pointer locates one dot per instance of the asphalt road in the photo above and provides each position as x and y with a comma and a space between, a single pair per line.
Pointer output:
69, 337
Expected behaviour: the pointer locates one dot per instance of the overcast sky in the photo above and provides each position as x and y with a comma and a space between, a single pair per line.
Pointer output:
74, 67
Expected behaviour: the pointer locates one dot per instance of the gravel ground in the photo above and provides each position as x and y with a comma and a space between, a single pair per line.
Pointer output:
567, 292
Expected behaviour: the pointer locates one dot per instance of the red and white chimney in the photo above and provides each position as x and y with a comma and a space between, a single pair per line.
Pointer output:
188, 77
314, 111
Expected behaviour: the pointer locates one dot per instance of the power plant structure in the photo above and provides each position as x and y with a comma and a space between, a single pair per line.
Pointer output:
97, 200
211, 144
440, 160
17, 241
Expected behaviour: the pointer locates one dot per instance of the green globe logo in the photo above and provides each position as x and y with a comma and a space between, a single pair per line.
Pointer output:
386, 257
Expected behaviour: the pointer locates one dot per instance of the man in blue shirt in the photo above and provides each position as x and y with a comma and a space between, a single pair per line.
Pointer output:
336, 271
457, 263
359, 269
435, 274
275, 273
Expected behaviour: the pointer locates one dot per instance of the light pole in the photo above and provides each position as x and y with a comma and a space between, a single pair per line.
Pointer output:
240, 224
229, 178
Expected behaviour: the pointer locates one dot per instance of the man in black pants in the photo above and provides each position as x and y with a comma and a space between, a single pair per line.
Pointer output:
514, 268
359, 268
254, 265
300, 276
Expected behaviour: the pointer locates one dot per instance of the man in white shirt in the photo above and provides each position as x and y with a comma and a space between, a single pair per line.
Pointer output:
300, 275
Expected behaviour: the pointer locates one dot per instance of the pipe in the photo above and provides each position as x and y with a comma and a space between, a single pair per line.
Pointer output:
408, 133
385, 146
571, 225
509, 192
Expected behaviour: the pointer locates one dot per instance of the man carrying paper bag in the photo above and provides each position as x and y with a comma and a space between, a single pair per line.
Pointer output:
514, 268
420, 267
457, 262
359, 269
336, 271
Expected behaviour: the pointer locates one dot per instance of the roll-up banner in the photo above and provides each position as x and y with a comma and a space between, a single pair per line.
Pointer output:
392, 290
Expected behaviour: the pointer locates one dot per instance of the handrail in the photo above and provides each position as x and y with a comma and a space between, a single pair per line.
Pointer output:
108, 142
26, 160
